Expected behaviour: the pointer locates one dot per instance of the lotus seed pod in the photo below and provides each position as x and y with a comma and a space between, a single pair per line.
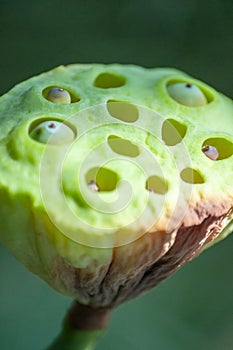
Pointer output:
187, 94
58, 95
106, 197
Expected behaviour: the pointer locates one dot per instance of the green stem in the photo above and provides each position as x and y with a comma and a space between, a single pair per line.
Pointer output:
82, 328
71, 339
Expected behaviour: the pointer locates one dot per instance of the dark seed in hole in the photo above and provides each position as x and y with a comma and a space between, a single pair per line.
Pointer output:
188, 85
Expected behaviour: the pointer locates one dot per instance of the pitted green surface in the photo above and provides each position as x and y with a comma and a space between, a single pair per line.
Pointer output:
28, 216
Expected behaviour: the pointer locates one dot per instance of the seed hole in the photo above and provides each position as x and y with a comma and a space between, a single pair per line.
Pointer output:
122, 146
52, 132
124, 111
187, 94
109, 80
191, 176
56, 94
223, 147
173, 132
101, 179
156, 184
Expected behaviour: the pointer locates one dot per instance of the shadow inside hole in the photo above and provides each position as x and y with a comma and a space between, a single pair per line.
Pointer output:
156, 184
173, 132
104, 179
124, 111
109, 80
191, 176
122, 146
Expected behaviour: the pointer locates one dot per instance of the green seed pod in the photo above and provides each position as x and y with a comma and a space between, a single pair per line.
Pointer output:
187, 94
105, 198
52, 132
58, 95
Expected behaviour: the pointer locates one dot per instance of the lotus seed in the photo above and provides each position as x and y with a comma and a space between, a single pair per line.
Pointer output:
187, 94
93, 186
59, 95
52, 132
210, 152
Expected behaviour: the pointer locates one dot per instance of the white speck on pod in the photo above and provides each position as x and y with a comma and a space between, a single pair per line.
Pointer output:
211, 152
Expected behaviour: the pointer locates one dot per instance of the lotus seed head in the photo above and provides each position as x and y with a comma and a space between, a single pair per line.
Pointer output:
187, 94
210, 152
52, 132
106, 198
59, 95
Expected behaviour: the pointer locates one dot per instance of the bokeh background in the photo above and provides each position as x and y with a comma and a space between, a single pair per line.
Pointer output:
194, 308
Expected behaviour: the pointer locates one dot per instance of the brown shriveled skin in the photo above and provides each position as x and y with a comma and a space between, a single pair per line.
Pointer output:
142, 264
188, 244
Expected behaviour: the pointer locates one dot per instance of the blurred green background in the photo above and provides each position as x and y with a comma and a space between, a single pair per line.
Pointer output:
194, 308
